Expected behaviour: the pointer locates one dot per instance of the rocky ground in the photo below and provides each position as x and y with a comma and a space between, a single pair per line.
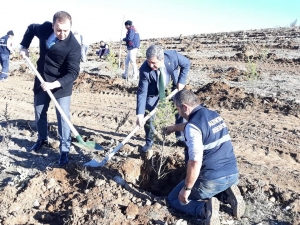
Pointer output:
250, 77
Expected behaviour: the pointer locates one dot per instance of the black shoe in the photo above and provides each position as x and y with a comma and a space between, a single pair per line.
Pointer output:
63, 159
38, 145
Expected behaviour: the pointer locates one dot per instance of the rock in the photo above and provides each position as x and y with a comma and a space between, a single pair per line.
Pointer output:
139, 204
56, 189
266, 187
44, 189
133, 199
148, 202
131, 169
286, 196
127, 148
26, 133
54, 144
272, 199
99, 182
131, 211
181, 222
296, 206
157, 205
51, 183
36, 203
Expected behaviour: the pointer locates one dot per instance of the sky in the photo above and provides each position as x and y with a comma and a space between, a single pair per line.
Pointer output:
104, 19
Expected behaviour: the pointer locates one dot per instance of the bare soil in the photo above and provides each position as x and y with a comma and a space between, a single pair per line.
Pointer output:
250, 77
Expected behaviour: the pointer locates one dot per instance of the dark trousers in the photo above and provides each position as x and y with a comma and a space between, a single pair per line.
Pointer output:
103, 52
41, 105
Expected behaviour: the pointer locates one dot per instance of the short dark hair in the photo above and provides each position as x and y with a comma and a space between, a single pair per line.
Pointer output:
185, 97
10, 33
155, 51
128, 22
62, 16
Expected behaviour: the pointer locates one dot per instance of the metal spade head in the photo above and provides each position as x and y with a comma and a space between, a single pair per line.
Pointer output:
89, 146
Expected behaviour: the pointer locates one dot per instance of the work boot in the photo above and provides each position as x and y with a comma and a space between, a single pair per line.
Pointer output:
210, 212
38, 145
63, 159
235, 199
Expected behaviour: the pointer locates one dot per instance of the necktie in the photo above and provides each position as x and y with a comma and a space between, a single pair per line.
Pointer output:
161, 81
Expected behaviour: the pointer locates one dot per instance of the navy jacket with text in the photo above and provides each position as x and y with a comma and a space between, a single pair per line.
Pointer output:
218, 157
177, 66
61, 62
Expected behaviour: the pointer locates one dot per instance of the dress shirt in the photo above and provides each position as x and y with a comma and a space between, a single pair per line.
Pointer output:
194, 142
50, 40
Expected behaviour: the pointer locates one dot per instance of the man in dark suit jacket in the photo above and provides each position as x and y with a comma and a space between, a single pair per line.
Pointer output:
175, 67
59, 65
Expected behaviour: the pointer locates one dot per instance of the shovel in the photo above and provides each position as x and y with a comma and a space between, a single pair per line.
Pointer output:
110, 154
89, 145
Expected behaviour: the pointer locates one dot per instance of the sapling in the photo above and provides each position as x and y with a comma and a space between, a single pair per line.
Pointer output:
112, 61
164, 117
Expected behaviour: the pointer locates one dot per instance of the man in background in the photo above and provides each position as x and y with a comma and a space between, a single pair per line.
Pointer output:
132, 40
5, 50
58, 64
160, 68
103, 50
83, 44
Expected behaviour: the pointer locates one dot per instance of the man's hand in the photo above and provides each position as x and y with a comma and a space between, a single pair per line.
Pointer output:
24, 52
168, 130
140, 120
180, 86
183, 196
50, 85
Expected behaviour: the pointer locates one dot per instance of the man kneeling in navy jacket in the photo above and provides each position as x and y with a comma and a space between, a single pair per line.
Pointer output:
212, 171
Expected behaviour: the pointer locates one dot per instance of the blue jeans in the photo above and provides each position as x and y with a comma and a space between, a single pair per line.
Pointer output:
202, 190
4, 60
41, 105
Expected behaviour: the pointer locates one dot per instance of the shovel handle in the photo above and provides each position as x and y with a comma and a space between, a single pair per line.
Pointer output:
32, 67
120, 145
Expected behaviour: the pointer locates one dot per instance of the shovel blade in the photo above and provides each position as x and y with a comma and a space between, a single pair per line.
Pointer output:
89, 146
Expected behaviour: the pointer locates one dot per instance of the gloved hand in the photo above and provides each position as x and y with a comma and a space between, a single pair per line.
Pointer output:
140, 120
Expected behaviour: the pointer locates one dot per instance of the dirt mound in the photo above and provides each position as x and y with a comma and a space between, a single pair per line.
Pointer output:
221, 95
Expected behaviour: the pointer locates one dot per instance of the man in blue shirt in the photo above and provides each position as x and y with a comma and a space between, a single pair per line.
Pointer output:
212, 172
132, 40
